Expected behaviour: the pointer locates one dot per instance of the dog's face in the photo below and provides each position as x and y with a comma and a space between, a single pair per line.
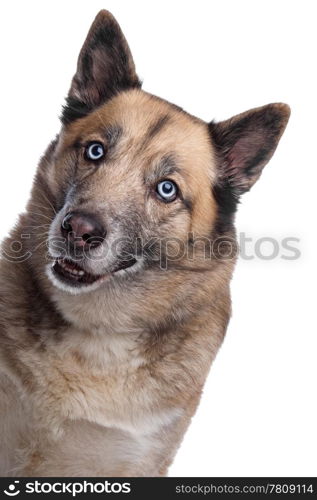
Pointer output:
130, 171
130, 185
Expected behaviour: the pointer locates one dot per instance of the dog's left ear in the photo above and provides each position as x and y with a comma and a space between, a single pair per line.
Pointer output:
246, 142
105, 67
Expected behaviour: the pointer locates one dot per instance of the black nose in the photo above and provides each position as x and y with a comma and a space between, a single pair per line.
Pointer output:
83, 230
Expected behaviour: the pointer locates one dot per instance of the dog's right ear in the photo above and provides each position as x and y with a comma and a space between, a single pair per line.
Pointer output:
105, 67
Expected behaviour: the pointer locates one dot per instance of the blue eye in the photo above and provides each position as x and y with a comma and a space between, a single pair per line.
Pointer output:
167, 190
94, 151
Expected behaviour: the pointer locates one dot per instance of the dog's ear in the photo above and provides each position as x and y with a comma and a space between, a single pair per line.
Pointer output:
246, 142
105, 67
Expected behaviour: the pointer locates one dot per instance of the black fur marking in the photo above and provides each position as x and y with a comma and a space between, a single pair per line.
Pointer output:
152, 131
227, 201
156, 127
74, 109
188, 204
225, 195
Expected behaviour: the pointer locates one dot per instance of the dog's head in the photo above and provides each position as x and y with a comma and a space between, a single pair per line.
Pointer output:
130, 170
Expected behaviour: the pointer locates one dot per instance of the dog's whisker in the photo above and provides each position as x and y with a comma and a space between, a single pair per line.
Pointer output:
50, 203
37, 227
48, 207
40, 215
41, 206
45, 233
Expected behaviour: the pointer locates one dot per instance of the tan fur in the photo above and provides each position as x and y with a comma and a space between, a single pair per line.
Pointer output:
105, 383
185, 136
104, 370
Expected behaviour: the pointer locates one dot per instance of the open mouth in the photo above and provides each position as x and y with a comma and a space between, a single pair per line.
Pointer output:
73, 274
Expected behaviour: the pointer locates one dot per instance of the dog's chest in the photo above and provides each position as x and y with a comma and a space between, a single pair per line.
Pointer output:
88, 378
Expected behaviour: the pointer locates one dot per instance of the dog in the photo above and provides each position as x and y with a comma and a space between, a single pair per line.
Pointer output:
114, 284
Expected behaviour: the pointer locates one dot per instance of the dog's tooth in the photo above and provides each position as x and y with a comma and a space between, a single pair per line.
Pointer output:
75, 272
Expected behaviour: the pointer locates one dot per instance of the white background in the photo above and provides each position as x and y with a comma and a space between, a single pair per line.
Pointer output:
215, 59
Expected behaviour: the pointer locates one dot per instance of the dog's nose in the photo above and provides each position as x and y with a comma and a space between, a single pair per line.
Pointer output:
83, 230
